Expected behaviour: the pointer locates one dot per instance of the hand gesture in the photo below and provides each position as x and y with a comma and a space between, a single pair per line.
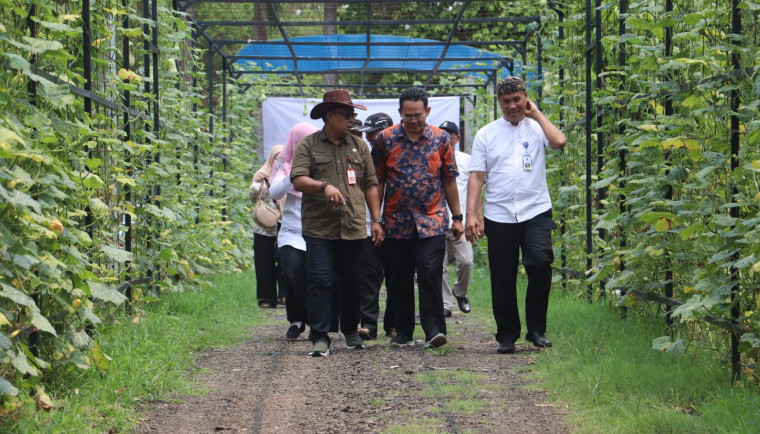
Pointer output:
457, 229
333, 196
474, 230
531, 110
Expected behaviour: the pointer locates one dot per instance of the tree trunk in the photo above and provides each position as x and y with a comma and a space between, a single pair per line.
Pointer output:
260, 13
331, 14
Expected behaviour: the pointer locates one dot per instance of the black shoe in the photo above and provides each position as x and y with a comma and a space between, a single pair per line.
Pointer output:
464, 304
320, 348
538, 339
294, 332
446, 313
506, 348
401, 342
367, 333
436, 341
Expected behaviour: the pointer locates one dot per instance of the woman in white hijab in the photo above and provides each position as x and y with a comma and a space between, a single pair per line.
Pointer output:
265, 239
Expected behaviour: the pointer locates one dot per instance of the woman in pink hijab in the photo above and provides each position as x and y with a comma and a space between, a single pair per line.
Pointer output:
291, 245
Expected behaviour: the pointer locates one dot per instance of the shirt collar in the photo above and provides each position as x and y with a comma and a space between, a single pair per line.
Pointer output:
324, 138
427, 133
519, 124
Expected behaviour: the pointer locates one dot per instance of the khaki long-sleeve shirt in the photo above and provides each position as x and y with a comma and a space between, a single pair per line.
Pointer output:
317, 157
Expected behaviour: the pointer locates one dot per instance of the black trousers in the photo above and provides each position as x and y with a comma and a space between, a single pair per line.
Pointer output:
505, 242
265, 265
293, 282
426, 256
373, 261
325, 260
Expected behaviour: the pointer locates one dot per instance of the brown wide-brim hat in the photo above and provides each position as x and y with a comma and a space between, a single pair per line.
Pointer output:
333, 99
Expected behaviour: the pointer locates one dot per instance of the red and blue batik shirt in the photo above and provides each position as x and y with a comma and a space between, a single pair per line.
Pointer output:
414, 199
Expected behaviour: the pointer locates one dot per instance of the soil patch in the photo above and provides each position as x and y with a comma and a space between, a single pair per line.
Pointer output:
269, 385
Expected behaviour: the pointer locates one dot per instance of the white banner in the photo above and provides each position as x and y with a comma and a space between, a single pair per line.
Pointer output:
280, 114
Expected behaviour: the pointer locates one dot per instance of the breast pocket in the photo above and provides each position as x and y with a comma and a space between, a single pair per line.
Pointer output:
534, 146
323, 168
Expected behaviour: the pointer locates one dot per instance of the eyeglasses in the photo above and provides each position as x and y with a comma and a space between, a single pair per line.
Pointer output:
411, 117
346, 115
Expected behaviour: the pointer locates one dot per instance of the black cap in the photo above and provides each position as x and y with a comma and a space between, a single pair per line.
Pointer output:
450, 127
377, 121
357, 124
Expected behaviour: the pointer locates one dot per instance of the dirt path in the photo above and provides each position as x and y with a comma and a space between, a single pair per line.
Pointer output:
269, 385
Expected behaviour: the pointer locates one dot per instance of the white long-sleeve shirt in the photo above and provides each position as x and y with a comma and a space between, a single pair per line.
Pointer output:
290, 229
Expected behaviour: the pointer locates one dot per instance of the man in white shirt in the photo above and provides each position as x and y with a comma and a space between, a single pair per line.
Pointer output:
460, 247
508, 157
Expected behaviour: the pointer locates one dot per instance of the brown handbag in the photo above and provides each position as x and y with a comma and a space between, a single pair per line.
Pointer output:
265, 215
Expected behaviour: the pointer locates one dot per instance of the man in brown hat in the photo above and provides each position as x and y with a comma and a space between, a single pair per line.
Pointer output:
334, 171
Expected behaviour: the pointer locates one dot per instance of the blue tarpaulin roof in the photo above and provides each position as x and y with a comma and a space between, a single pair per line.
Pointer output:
343, 53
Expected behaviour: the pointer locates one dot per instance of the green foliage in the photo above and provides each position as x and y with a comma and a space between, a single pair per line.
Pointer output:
151, 359
603, 368
664, 189
70, 182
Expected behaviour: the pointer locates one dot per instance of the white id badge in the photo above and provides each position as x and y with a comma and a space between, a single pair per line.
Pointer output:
527, 163
351, 176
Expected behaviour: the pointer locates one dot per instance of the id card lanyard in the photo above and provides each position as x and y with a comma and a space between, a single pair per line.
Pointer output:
350, 173
527, 161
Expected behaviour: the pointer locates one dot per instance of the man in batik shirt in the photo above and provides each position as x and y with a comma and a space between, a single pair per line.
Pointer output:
417, 172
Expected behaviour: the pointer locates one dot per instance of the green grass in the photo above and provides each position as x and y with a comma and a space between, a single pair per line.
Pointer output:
603, 368
423, 426
151, 359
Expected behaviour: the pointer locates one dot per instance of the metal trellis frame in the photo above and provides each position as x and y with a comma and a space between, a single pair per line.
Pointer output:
208, 28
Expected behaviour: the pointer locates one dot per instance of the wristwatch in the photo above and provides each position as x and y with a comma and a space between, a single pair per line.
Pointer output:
459, 217
380, 220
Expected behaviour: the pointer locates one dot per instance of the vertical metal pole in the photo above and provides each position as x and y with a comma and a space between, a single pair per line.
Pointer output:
146, 48
87, 66
210, 78
736, 29
224, 92
669, 190
31, 85
156, 114
224, 123
562, 223
540, 65
622, 155
147, 89
601, 193
589, 117
128, 136
196, 147
31, 89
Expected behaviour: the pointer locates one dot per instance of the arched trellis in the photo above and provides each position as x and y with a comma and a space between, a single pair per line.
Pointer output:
276, 20
593, 58
592, 123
